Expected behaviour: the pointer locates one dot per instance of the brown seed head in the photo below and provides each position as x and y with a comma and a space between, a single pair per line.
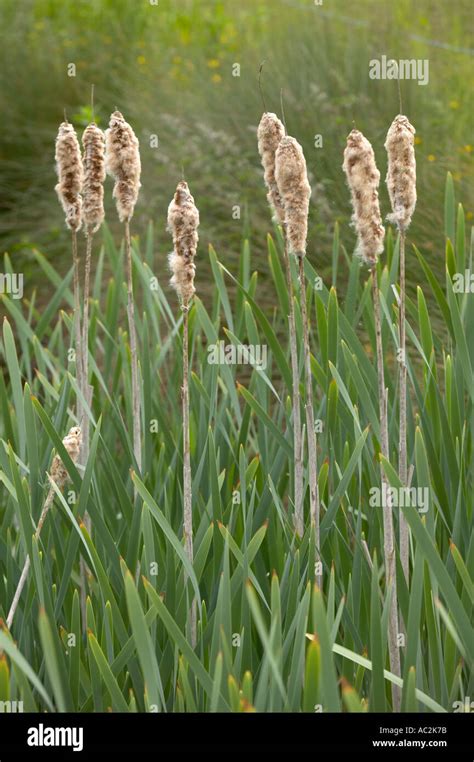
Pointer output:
363, 180
70, 174
72, 443
183, 222
122, 162
270, 132
295, 191
401, 174
93, 141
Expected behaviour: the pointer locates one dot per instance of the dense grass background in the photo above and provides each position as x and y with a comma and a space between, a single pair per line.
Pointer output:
253, 578
169, 69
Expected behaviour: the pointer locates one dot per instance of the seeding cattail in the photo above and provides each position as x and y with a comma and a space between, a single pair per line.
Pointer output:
123, 164
70, 175
401, 185
58, 475
401, 173
93, 141
122, 161
295, 191
363, 179
183, 222
270, 133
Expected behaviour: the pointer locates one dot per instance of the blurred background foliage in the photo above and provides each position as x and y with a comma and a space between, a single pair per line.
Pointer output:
169, 68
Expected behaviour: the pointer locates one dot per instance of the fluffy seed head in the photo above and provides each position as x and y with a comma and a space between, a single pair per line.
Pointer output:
295, 191
401, 174
363, 180
93, 140
122, 162
183, 222
270, 132
72, 443
70, 174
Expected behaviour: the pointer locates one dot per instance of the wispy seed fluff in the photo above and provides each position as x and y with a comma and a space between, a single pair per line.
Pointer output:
183, 222
70, 175
363, 179
270, 132
401, 174
122, 162
295, 191
93, 140
72, 443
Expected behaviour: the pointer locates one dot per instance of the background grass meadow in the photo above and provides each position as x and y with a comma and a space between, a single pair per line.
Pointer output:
268, 639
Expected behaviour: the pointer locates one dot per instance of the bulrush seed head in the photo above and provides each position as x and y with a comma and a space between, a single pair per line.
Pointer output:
363, 180
72, 443
93, 141
70, 175
183, 222
295, 192
270, 132
122, 162
401, 174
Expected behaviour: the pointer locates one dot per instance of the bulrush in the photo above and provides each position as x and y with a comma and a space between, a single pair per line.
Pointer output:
70, 175
183, 222
363, 179
401, 185
122, 161
295, 191
401, 173
270, 132
58, 476
123, 164
69, 187
93, 141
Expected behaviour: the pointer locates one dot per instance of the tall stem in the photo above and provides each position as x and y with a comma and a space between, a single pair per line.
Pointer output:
187, 483
85, 343
389, 540
77, 326
21, 583
136, 406
296, 401
402, 444
310, 422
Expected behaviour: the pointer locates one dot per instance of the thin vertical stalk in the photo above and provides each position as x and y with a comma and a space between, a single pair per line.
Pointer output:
136, 405
296, 400
388, 531
187, 481
402, 445
310, 422
21, 583
77, 326
85, 344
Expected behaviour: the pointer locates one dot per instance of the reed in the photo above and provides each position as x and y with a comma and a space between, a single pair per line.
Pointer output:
183, 223
401, 185
363, 179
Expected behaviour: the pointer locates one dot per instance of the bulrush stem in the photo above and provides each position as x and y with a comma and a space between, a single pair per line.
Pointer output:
85, 344
187, 484
402, 445
77, 326
389, 541
310, 422
16, 598
296, 401
136, 406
